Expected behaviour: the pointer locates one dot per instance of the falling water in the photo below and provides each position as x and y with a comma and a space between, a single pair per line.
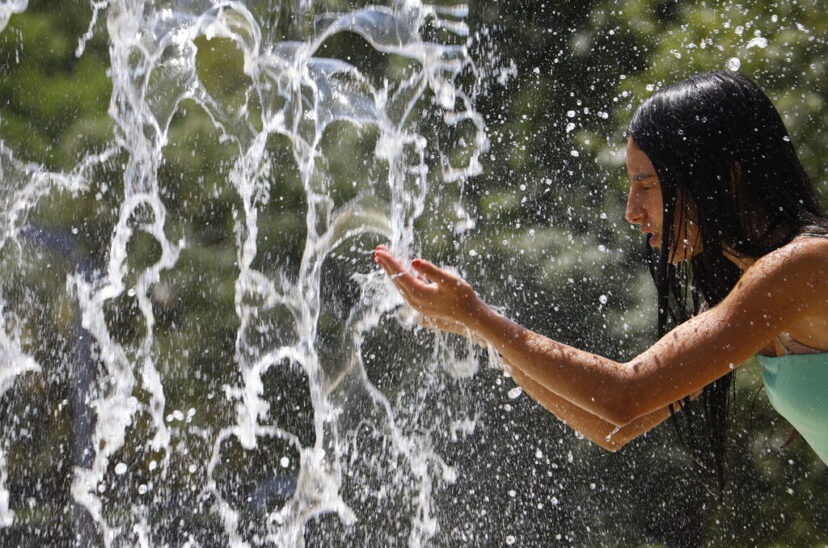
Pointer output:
195, 347
360, 460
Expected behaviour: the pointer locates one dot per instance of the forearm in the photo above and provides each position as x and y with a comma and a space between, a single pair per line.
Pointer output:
689, 357
590, 382
593, 427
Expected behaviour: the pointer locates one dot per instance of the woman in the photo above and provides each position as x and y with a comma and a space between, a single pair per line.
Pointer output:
741, 269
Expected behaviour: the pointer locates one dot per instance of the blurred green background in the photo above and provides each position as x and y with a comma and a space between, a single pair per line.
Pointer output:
558, 83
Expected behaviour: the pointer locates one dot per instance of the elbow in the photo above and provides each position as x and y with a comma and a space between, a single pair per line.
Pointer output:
618, 438
619, 415
611, 443
619, 410
623, 402
610, 446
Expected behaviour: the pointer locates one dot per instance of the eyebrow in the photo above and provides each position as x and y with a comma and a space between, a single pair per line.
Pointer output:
642, 176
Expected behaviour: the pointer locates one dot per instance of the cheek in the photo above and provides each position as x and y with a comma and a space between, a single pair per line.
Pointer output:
655, 206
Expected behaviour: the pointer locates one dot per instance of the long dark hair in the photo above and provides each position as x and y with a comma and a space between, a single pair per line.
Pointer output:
725, 161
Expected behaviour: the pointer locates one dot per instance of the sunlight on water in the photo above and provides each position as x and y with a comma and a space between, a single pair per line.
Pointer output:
297, 93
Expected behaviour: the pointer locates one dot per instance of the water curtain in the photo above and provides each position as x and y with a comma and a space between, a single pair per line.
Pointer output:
294, 93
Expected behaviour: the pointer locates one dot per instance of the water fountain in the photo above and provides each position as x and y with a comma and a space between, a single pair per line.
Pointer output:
195, 348
136, 443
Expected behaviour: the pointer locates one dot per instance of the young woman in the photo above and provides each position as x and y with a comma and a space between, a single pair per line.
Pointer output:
741, 268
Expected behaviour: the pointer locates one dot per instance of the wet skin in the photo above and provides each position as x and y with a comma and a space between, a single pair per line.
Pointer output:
784, 291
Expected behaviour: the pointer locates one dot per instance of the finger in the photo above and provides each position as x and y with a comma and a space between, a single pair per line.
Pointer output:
432, 272
384, 257
401, 286
404, 280
395, 268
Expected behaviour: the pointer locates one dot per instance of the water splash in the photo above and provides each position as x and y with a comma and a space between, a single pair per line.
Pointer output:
9, 8
13, 362
296, 93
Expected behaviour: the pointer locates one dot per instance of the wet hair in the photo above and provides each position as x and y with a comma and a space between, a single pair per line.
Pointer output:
725, 161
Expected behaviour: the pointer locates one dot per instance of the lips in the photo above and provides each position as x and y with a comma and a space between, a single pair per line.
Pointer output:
654, 239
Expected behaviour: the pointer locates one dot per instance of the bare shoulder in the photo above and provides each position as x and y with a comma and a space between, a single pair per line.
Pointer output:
805, 255
796, 271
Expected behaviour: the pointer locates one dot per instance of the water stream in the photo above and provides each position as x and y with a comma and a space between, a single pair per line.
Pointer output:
196, 348
362, 452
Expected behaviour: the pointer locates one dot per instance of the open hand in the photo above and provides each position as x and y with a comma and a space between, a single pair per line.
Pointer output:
435, 293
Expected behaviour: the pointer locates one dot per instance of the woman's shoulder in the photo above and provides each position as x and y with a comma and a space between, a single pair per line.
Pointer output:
800, 264
803, 252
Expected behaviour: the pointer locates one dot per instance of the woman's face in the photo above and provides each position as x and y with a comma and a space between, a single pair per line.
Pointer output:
645, 207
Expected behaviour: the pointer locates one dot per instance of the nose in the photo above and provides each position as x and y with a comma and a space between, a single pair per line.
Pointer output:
635, 212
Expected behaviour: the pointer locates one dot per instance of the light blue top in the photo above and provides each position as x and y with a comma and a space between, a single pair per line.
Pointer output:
797, 387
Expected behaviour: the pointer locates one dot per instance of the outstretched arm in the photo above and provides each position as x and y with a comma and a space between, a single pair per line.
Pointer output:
592, 427
777, 291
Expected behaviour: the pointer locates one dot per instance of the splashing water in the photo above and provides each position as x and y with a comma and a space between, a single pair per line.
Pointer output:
362, 450
10, 7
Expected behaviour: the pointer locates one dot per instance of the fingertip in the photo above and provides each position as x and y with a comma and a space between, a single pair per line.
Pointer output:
416, 263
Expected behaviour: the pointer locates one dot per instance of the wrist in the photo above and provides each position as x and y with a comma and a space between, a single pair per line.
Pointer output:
476, 314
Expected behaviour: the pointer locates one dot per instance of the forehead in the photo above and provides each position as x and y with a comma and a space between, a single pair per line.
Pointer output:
638, 163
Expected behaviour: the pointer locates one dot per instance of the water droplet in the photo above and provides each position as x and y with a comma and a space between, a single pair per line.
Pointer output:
514, 392
603, 299
734, 63
510, 540
284, 462
120, 468
757, 42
